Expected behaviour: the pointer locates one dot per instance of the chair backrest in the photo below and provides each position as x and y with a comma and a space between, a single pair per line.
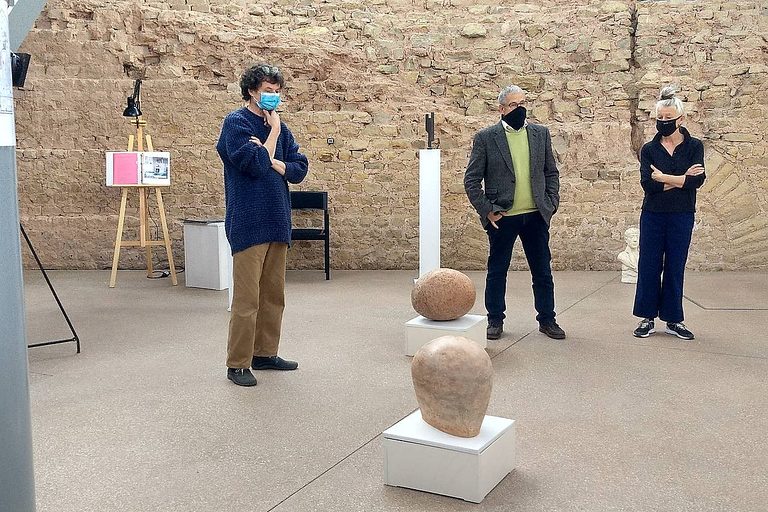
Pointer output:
309, 200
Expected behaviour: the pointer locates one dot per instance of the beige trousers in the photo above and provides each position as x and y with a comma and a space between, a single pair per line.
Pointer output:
258, 301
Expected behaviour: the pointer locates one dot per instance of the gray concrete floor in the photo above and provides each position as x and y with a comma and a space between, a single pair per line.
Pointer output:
145, 420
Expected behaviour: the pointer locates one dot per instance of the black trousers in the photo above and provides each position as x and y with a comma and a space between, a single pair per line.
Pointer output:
664, 242
534, 234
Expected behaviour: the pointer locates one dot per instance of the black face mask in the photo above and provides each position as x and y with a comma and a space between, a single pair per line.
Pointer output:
515, 118
666, 128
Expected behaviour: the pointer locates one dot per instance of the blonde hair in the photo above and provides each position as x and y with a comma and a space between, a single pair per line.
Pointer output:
668, 98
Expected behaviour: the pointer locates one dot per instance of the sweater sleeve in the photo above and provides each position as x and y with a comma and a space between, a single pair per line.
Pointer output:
296, 164
694, 182
245, 155
649, 185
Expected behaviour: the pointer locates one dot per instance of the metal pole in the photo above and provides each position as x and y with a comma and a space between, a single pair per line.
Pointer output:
17, 480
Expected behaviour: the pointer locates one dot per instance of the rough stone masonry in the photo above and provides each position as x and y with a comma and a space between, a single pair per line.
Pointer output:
365, 73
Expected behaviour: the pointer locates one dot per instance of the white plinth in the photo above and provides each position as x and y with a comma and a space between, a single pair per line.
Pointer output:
429, 210
420, 331
418, 456
207, 261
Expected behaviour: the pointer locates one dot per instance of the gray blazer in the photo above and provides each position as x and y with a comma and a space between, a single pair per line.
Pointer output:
491, 163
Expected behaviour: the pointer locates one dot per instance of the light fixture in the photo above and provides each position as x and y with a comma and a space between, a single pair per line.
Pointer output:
134, 102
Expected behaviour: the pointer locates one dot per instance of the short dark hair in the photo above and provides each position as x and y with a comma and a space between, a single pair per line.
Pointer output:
258, 73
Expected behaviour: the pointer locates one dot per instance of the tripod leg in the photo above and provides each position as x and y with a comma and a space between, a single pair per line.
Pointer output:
75, 338
166, 237
144, 229
118, 238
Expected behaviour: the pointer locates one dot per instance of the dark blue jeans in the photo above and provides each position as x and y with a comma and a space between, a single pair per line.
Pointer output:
664, 242
534, 234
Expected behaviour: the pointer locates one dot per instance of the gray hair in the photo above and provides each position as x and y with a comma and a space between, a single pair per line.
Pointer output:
510, 89
667, 98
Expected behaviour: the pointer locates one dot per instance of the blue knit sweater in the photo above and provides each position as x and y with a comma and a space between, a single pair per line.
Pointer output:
256, 195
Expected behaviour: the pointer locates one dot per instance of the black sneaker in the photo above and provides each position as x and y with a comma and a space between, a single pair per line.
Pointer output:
678, 329
241, 376
552, 330
494, 331
644, 329
273, 363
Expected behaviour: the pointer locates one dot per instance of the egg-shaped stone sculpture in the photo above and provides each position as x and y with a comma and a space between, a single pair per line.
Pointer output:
453, 378
443, 294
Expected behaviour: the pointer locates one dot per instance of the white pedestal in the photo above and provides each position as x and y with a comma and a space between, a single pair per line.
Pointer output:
429, 210
420, 331
418, 456
207, 261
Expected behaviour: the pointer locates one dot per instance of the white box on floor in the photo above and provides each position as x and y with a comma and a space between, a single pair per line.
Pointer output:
420, 331
207, 260
418, 456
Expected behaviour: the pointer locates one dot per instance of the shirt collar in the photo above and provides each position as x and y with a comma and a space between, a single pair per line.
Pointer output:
508, 128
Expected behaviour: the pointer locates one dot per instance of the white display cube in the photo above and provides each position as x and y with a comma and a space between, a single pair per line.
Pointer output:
418, 456
420, 331
207, 259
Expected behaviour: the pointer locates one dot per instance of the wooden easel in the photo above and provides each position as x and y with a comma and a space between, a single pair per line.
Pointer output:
144, 234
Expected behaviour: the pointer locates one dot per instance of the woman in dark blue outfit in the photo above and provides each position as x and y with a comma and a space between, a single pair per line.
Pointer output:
671, 169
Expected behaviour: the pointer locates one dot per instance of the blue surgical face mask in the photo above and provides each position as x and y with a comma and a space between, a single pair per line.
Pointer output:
269, 101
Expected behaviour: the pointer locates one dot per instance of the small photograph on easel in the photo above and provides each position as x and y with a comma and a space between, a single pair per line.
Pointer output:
156, 169
123, 169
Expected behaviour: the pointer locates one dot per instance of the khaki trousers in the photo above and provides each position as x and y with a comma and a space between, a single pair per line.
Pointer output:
258, 301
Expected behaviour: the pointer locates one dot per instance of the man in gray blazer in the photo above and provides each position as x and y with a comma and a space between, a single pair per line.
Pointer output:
513, 182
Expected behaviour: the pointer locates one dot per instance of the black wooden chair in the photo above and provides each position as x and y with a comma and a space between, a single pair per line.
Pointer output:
301, 200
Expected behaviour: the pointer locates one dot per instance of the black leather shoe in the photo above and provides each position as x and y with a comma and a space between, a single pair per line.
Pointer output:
494, 331
273, 363
241, 376
552, 330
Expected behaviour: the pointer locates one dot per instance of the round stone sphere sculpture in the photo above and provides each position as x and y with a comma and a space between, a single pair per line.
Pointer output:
453, 378
443, 294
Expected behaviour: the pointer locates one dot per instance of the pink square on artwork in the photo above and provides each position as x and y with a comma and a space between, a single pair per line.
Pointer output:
124, 168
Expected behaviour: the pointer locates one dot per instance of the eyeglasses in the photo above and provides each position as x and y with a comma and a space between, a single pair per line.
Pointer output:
513, 105
270, 70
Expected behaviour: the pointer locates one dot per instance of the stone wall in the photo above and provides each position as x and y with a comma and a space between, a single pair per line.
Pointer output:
364, 74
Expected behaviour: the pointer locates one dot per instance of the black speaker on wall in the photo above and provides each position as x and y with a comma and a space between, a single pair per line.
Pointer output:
19, 66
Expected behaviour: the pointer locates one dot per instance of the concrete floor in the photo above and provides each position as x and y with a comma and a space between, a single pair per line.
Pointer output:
145, 420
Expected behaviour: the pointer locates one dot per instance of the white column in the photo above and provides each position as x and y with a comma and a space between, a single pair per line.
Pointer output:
17, 482
429, 210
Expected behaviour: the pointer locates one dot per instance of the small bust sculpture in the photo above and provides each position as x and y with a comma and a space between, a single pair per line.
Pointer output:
629, 256
453, 377
443, 294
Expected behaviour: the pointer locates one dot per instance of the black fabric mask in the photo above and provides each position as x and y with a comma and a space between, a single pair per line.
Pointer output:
515, 118
666, 128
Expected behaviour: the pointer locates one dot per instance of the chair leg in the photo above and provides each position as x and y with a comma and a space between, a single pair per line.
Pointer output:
327, 259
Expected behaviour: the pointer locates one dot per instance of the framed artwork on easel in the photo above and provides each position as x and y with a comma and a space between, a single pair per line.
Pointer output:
138, 169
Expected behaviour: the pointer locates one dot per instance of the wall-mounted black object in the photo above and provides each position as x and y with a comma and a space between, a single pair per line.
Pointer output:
19, 67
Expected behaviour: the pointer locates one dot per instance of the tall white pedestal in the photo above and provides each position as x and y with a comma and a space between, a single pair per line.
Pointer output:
418, 456
429, 210
420, 331
207, 262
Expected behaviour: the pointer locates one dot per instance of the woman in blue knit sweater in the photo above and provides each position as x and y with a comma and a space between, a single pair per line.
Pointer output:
260, 158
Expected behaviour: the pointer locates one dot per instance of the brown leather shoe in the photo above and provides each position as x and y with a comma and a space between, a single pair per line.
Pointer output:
552, 330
